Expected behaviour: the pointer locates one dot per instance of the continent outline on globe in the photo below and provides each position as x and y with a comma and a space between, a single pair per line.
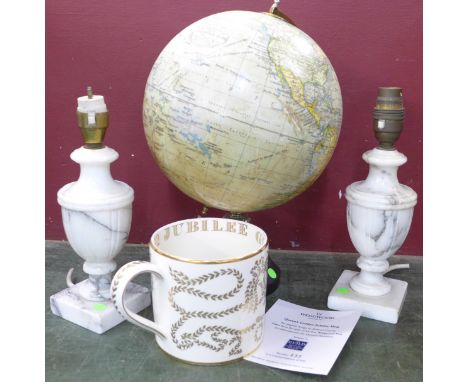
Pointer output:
242, 111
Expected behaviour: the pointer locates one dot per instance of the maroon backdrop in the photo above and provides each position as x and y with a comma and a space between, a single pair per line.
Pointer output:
112, 45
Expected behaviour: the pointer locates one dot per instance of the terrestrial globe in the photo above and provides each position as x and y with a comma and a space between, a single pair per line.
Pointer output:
242, 111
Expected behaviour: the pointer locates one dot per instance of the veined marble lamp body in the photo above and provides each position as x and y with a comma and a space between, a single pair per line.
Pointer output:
379, 215
96, 214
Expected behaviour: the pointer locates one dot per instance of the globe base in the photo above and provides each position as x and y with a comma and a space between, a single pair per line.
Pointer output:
273, 276
237, 216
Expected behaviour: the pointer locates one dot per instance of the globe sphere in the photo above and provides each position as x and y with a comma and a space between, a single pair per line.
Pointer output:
242, 111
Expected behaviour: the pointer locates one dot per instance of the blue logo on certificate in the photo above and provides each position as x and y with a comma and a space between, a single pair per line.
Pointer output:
295, 345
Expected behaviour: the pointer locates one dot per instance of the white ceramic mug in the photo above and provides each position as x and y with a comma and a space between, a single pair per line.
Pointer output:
208, 287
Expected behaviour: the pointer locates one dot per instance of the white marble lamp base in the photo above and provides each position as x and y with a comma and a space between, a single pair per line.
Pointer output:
383, 308
97, 316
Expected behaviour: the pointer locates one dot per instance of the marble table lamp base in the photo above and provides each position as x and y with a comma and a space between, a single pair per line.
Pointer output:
97, 316
384, 308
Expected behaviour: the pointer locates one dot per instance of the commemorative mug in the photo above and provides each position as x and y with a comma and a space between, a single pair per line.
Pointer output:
209, 279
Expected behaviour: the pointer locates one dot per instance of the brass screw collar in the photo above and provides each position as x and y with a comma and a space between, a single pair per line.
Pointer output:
92, 118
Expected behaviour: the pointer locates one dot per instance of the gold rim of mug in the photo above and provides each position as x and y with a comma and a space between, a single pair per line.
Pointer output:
210, 363
220, 261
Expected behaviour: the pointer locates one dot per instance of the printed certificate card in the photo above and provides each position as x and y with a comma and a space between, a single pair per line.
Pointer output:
303, 339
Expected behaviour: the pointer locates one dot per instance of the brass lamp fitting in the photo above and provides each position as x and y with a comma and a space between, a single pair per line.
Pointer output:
388, 117
93, 119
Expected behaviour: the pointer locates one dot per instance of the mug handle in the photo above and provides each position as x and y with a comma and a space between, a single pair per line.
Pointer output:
118, 285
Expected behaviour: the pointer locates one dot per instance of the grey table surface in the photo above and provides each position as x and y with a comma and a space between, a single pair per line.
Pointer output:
375, 351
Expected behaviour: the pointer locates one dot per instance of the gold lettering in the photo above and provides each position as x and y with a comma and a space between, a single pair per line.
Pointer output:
156, 239
175, 229
231, 226
192, 227
259, 237
216, 227
167, 233
243, 229
204, 225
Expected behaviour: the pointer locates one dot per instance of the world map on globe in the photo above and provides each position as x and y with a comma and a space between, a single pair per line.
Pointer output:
242, 111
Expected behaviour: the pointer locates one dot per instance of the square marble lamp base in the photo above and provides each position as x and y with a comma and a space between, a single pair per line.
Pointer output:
383, 308
100, 316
